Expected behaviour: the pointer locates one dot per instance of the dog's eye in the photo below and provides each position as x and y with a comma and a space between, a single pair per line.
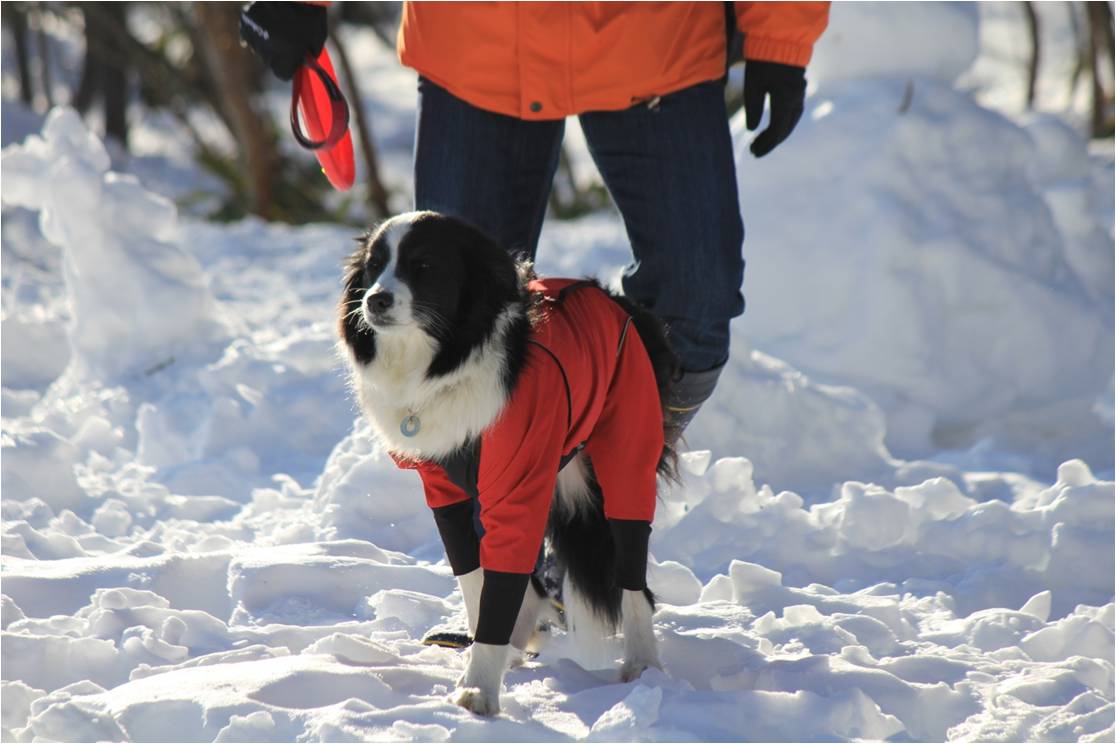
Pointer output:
422, 265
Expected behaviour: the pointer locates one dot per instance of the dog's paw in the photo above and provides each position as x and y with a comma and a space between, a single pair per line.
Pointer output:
479, 701
631, 670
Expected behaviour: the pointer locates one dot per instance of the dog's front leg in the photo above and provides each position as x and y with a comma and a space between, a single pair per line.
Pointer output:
470, 585
479, 688
630, 537
501, 597
640, 647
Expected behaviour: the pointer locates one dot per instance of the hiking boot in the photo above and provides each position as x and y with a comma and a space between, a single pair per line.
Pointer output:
688, 391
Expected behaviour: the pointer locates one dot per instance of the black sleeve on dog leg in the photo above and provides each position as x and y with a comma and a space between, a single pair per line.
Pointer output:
459, 536
499, 606
630, 536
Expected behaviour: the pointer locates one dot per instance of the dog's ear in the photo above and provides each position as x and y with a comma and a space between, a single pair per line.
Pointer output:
354, 264
497, 265
488, 287
360, 339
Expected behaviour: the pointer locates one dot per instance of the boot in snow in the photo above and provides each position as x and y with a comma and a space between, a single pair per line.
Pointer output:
687, 393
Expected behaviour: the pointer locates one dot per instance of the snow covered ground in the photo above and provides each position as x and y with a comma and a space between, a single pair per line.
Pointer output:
896, 523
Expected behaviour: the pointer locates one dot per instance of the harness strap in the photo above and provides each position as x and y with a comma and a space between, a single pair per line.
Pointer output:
565, 380
558, 298
623, 335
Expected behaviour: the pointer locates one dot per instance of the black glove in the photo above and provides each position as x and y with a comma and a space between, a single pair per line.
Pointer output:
786, 84
284, 33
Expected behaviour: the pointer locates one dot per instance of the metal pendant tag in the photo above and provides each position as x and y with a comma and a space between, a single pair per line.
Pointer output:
410, 425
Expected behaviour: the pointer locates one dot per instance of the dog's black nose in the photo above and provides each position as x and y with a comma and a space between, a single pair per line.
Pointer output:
380, 301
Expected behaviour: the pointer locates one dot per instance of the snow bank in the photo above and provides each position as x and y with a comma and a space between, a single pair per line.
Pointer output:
800, 434
151, 398
924, 538
363, 495
138, 298
967, 287
925, 39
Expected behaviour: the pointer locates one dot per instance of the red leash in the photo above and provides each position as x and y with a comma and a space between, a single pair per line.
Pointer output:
325, 115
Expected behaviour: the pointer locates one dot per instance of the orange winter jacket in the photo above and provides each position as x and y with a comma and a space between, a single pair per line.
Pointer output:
548, 60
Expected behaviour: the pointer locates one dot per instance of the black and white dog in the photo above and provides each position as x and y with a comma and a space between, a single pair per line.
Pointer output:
497, 388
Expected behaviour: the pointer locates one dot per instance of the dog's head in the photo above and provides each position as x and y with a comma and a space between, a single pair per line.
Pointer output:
430, 274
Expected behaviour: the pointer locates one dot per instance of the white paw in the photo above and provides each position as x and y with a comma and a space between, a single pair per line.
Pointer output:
632, 669
640, 647
481, 702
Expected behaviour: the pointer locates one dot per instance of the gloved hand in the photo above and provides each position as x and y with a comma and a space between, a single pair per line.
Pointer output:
786, 84
283, 33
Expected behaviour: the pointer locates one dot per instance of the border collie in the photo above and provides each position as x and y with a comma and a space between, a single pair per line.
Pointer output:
528, 407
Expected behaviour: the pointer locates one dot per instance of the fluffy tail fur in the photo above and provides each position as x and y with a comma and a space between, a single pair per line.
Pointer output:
583, 545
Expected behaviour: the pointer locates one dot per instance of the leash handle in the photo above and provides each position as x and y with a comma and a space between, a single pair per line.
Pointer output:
339, 109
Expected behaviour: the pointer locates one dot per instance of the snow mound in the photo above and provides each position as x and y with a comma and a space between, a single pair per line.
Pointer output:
138, 298
927, 39
167, 404
798, 434
923, 538
972, 244
362, 494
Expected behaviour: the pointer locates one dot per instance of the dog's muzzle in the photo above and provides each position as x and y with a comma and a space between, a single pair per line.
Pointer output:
377, 308
379, 303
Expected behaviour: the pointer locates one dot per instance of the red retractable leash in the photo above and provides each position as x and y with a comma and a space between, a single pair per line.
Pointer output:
325, 114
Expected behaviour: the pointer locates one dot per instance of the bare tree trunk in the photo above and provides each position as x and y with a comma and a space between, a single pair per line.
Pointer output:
45, 78
382, 18
1101, 55
1081, 44
1033, 65
377, 194
90, 81
15, 17
228, 66
114, 83
108, 61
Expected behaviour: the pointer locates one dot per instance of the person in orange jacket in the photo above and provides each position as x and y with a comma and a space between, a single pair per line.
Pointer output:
497, 81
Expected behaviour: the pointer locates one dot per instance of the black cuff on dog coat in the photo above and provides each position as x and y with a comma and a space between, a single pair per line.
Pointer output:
499, 606
630, 536
459, 536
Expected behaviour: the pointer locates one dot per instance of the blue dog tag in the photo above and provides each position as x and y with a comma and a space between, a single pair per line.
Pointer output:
410, 425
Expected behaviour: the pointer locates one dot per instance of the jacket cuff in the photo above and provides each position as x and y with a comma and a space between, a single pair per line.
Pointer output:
630, 538
459, 536
777, 50
501, 596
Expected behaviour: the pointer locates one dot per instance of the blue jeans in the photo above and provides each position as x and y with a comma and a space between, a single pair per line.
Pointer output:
668, 167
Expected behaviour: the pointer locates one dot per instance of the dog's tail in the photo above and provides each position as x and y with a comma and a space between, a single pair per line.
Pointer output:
582, 542
584, 548
653, 334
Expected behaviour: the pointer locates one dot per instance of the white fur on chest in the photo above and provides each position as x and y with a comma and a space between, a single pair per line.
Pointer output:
451, 409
